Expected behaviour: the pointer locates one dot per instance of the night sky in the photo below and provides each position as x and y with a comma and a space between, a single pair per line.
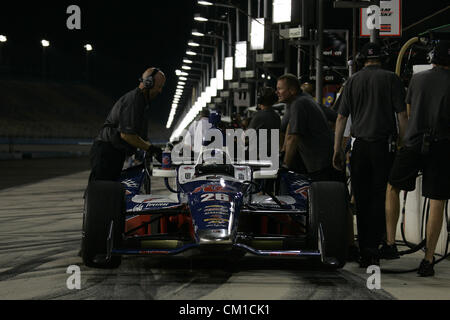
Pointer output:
129, 36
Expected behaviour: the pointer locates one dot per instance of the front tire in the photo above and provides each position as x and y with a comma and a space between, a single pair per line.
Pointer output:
328, 208
104, 203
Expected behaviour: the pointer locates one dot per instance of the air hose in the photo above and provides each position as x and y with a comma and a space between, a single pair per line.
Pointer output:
405, 47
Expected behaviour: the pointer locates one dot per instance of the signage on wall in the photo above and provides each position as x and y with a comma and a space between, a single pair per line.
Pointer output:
335, 48
387, 18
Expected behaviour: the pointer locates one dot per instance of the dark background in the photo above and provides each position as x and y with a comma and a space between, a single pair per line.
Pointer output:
129, 36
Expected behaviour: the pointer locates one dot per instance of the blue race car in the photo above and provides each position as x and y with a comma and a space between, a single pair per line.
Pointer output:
217, 209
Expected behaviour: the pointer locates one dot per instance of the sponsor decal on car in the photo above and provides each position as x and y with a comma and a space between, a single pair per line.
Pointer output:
129, 183
303, 191
218, 220
157, 204
217, 206
211, 188
216, 212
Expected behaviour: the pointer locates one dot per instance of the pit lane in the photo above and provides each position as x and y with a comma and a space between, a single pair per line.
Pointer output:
40, 231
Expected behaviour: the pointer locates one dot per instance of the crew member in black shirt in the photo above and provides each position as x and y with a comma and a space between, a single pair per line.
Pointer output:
372, 97
426, 148
125, 128
309, 140
266, 118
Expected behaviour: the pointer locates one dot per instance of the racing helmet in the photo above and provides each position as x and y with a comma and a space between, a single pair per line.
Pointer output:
214, 119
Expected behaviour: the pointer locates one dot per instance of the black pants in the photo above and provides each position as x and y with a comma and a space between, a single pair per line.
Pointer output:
370, 164
106, 161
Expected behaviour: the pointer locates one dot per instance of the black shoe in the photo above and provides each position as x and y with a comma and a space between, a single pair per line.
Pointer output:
369, 257
353, 253
426, 268
365, 262
388, 252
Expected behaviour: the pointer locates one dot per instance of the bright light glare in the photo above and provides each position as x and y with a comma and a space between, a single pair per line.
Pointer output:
257, 34
197, 33
187, 61
88, 47
281, 11
213, 85
3, 38
228, 74
180, 73
240, 54
191, 53
204, 3
219, 75
193, 44
45, 43
198, 17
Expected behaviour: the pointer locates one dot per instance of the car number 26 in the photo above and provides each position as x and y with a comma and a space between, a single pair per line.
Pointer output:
215, 196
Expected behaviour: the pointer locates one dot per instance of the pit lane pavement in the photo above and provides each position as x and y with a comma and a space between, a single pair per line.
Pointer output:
40, 231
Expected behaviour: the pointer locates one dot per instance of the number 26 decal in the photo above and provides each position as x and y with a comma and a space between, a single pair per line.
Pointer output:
215, 196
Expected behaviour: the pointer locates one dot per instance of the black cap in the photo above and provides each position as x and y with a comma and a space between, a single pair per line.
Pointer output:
441, 53
371, 50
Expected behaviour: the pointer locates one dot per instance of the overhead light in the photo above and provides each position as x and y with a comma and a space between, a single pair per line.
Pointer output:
45, 43
208, 94
193, 44
197, 33
240, 54
88, 47
257, 34
219, 76
181, 82
180, 87
213, 85
183, 78
228, 74
186, 68
187, 61
281, 11
204, 3
180, 73
198, 17
3, 38
191, 53
263, 76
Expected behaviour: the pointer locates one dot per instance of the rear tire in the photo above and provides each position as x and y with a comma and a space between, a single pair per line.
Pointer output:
328, 206
104, 202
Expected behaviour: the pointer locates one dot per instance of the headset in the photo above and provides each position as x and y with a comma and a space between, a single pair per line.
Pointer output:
266, 96
149, 82
440, 52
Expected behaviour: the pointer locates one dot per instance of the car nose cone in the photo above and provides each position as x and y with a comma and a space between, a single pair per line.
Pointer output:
214, 236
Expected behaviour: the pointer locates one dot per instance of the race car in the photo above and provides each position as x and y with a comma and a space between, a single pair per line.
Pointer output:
214, 209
